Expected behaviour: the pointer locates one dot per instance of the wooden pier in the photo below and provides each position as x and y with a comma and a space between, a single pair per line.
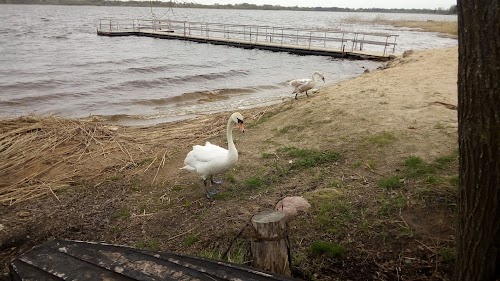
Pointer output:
340, 44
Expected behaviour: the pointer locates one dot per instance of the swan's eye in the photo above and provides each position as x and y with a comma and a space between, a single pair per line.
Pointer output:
239, 121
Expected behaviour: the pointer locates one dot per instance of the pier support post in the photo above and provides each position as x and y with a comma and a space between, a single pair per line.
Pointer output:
269, 246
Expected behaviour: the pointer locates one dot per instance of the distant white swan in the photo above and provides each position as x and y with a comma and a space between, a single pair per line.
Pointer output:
304, 85
210, 160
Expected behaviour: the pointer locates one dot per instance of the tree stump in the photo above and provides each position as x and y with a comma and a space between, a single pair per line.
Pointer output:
269, 245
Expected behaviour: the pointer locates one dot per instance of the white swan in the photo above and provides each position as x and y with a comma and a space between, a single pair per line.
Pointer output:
210, 160
304, 85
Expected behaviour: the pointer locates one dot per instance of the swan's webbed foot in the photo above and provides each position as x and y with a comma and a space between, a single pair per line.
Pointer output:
219, 182
209, 192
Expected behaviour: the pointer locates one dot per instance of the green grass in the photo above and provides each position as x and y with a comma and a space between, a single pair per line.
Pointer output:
230, 178
176, 188
254, 182
392, 182
431, 173
186, 203
190, 240
431, 179
307, 158
296, 159
357, 164
382, 139
114, 178
268, 155
447, 255
288, 129
415, 167
210, 254
329, 249
121, 214
454, 180
330, 212
389, 205
334, 184
237, 253
224, 195
150, 244
444, 162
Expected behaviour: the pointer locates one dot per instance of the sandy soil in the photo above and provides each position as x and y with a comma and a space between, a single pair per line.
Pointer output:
137, 195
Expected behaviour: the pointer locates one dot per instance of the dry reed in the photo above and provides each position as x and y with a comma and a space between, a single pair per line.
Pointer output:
40, 155
449, 28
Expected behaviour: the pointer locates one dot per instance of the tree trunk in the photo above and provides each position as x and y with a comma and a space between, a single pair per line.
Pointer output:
478, 236
269, 245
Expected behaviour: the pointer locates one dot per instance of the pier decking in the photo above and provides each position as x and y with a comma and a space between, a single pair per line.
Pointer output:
341, 44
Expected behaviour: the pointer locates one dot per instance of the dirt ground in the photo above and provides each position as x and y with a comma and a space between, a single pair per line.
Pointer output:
376, 156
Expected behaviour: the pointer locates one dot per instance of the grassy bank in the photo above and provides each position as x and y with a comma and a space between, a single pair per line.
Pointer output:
375, 156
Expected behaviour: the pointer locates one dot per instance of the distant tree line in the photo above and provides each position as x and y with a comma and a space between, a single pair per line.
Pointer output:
244, 6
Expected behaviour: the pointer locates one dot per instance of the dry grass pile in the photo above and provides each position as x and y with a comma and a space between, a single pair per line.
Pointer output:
39, 155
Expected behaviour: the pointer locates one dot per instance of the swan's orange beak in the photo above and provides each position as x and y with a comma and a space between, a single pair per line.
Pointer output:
242, 128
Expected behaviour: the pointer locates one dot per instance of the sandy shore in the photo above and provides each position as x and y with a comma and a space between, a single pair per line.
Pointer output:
137, 194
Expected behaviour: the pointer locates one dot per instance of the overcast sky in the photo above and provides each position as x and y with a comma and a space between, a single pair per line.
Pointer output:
407, 4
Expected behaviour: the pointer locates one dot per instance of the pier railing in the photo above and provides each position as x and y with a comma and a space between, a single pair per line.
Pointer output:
259, 34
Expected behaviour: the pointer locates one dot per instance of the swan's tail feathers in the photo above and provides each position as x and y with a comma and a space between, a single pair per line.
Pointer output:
294, 83
187, 167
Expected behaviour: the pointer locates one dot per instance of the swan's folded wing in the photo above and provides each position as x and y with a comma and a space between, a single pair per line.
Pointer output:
208, 153
299, 82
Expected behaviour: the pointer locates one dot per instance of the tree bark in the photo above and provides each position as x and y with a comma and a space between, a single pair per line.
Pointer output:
478, 239
269, 246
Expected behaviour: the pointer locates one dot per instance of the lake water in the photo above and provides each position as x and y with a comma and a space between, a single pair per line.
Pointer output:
52, 61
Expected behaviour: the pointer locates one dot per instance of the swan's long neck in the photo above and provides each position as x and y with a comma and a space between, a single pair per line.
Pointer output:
315, 77
232, 152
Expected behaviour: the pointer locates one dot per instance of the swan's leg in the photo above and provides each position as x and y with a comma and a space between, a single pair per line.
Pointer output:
307, 94
295, 92
214, 181
205, 183
212, 192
